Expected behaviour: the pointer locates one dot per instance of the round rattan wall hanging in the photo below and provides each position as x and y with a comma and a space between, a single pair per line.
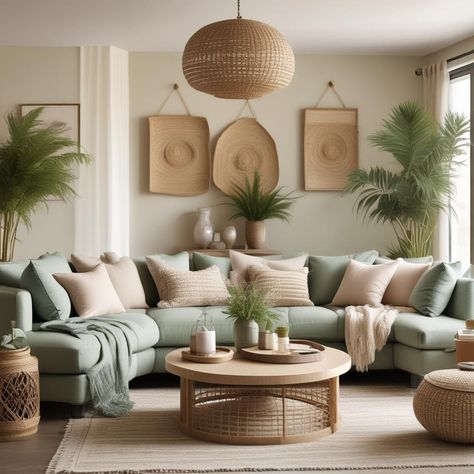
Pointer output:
244, 147
238, 59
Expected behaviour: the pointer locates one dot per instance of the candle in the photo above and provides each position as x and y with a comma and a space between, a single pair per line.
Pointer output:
205, 342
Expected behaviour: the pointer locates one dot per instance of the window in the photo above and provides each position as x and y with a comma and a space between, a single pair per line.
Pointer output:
461, 225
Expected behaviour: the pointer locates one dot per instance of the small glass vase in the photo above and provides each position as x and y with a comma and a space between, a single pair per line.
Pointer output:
203, 336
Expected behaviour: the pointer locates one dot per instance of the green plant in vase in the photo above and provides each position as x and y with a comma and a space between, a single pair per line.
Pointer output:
257, 205
411, 199
36, 163
247, 307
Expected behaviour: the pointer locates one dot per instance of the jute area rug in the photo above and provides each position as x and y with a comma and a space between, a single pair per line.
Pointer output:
378, 431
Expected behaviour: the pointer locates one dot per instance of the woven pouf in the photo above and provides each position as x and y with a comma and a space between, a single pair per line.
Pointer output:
444, 404
19, 394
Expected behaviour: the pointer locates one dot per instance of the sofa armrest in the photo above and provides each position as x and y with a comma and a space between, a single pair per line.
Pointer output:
15, 305
461, 304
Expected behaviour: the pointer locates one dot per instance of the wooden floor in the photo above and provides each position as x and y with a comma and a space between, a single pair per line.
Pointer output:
32, 456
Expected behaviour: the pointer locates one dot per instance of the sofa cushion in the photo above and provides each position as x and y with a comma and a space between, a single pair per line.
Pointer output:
92, 293
364, 284
316, 322
60, 353
423, 332
123, 274
175, 324
433, 290
326, 273
10, 273
201, 261
50, 299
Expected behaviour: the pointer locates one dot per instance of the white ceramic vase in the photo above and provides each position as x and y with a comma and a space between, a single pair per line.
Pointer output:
203, 230
229, 235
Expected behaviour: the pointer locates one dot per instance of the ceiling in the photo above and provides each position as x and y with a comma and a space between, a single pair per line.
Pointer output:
401, 27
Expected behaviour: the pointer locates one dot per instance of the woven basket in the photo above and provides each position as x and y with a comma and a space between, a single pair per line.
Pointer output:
19, 394
238, 59
444, 405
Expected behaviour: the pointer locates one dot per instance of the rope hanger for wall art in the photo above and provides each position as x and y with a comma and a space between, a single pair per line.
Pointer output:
330, 86
174, 89
248, 105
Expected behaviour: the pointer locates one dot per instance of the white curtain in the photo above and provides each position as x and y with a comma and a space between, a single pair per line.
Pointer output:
102, 205
435, 99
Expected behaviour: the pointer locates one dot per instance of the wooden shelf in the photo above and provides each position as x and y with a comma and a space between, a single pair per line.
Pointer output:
225, 252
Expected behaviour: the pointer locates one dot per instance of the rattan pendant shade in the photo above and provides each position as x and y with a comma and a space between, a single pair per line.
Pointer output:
238, 59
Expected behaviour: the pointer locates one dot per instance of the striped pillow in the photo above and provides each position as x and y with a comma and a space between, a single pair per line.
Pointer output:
185, 288
282, 287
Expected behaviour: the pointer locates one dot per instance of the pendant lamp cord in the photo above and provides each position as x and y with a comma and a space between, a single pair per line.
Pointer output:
174, 89
238, 9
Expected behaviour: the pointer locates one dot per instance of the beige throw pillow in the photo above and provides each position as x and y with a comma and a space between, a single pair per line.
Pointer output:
282, 287
123, 274
91, 293
364, 284
186, 288
401, 285
241, 263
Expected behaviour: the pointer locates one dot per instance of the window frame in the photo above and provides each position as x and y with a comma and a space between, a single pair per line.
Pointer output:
467, 70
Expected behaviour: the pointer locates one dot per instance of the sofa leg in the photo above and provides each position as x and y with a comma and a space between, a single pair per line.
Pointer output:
415, 380
78, 411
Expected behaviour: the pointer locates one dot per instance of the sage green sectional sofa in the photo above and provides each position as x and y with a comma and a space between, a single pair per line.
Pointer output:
417, 344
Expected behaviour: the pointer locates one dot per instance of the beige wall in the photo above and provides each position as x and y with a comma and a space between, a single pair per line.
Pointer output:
40, 75
323, 222
451, 51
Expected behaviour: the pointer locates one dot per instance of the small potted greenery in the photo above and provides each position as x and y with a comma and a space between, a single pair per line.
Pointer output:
248, 308
257, 205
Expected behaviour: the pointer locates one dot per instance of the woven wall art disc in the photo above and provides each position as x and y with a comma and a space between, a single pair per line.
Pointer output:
243, 147
330, 148
179, 155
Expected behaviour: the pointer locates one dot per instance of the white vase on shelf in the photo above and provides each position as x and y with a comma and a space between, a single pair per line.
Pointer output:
203, 230
229, 235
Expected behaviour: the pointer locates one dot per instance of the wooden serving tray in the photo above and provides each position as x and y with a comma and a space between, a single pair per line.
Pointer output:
274, 357
222, 354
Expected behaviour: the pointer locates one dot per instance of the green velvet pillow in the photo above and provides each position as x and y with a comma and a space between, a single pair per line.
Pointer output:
10, 273
50, 299
326, 273
433, 290
202, 261
179, 261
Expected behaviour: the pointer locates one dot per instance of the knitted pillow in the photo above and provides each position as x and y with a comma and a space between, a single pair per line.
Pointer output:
282, 287
185, 288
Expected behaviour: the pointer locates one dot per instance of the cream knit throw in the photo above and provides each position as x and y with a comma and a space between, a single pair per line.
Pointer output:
366, 330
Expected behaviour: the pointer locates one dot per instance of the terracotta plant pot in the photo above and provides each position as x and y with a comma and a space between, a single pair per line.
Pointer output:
255, 234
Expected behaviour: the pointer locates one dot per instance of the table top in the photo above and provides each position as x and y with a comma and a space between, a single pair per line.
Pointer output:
239, 371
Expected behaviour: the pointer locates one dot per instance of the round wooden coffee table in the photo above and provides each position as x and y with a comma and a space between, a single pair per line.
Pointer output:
247, 402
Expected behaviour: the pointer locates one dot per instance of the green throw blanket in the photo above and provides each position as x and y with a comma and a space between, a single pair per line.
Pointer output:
108, 379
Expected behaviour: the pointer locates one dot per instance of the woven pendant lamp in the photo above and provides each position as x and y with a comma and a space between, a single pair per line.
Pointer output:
238, 59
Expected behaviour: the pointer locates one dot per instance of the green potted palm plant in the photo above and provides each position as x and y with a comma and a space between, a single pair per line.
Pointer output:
36, 163
247, 307
411, 199
257, 205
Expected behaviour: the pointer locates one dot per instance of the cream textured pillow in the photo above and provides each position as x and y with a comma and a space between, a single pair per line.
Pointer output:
364, 284
241, 262
282, 287
405, 278
198, 288
123, 274
91, 293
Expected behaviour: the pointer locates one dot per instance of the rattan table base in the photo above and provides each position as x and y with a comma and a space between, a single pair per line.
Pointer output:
273, 414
